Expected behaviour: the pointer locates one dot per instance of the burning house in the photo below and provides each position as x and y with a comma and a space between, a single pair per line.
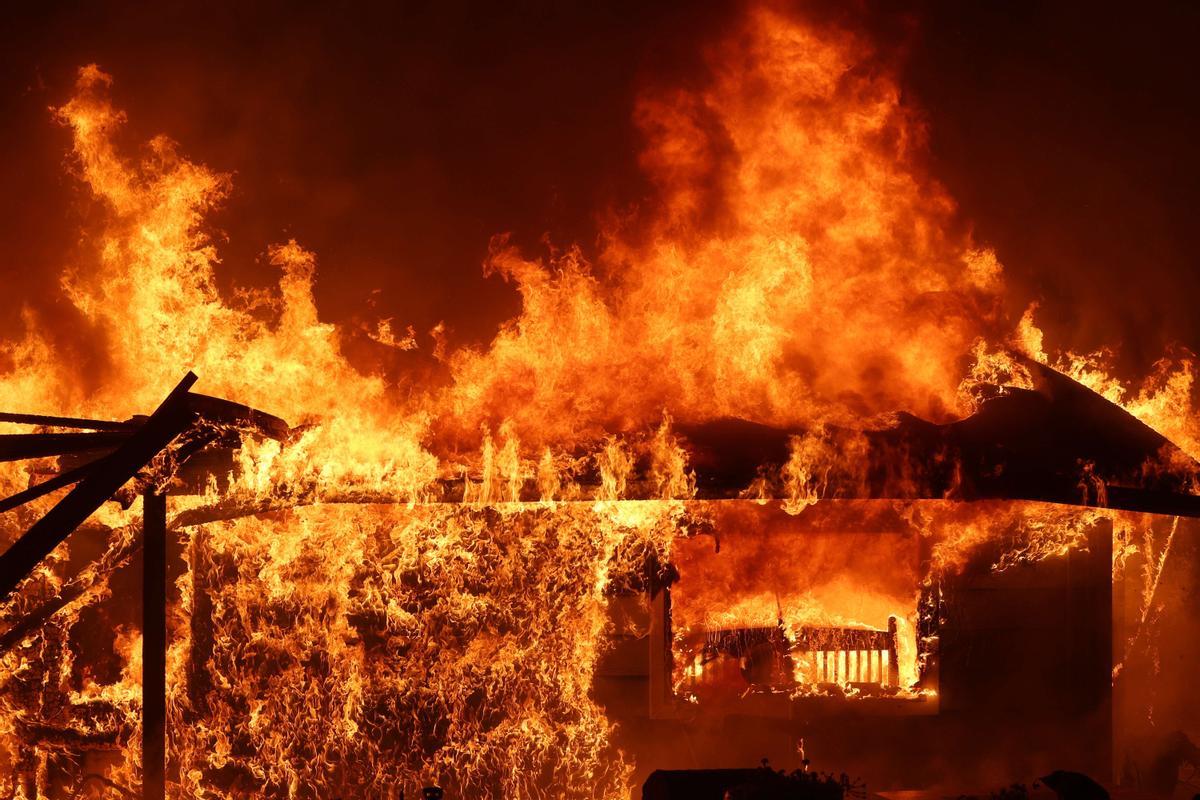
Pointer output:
771, 475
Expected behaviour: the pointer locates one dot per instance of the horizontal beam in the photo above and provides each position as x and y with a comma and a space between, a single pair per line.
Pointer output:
20, 446
67, 422
817, 639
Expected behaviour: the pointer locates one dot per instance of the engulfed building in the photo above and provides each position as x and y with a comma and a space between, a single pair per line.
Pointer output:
922, 606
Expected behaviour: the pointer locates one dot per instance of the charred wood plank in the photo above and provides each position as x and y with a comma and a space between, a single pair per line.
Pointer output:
45, 487
219, 411
154, 645
20, 446
170, 419
73, 739
810, 639
123, 544
68, 422
893, 677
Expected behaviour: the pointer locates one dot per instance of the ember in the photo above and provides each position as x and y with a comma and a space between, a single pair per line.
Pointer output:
771, 471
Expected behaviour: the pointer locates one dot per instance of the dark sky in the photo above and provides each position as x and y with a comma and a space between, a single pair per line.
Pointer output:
395, 141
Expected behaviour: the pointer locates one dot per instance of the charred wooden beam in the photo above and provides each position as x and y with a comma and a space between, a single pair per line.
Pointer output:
123, 544
73, 739
68, 422
170, 419
809, 639
218, 411
893, 656
1154, 502
45, 487
20, 446
661, 705
154, 645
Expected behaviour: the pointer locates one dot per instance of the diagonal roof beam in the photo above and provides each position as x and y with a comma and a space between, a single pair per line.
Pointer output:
110, 473
45, 487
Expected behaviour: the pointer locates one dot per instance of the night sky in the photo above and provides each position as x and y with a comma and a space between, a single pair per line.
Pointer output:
394, 142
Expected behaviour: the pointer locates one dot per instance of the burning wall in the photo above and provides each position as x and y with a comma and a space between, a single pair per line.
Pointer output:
446, 646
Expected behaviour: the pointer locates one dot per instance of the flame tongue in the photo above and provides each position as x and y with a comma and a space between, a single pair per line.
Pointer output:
797, 267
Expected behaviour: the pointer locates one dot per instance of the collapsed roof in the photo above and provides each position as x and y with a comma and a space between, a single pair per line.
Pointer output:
1057, 442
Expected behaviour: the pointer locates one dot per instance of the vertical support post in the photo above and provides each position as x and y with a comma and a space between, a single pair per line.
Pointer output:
662, 704
154, 646
1089, 616
929, 614
893, 662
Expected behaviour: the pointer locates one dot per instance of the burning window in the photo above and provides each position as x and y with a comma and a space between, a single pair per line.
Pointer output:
771, 604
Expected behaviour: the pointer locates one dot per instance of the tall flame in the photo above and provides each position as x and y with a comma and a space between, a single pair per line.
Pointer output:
798, 264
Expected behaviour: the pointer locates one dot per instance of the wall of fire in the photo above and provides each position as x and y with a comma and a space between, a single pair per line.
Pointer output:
1081, 660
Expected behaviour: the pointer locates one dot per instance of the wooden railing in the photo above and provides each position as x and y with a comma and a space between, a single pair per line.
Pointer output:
832, 655
851, 655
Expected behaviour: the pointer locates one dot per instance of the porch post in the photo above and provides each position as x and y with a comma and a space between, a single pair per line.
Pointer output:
154, 646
